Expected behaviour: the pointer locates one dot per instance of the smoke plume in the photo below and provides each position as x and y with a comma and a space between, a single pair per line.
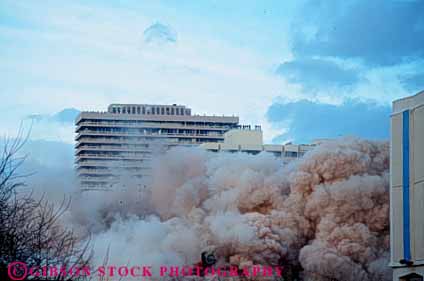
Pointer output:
322, 217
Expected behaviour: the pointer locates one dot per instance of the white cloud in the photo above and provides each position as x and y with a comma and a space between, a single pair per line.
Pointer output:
88, 57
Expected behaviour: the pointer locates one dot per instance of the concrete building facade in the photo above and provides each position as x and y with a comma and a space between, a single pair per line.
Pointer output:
250, 140
121, 140
407, 189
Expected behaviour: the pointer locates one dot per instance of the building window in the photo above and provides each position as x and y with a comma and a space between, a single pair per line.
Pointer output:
138, 110
167, 111
292, 154
123, 110
143, 110
162, 111
172, 111
277, 154
153, 110
412, 277
113, 110
133, 110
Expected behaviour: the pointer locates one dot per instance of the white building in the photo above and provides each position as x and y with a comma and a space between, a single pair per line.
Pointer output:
250, 140
120, 140
407, 188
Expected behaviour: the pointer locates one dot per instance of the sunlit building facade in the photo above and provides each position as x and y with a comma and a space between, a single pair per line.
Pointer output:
407, 189
247, 139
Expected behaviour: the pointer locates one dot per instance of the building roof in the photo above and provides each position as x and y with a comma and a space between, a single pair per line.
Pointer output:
408, 102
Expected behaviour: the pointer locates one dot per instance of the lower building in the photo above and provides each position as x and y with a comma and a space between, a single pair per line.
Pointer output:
407, 189
250, 140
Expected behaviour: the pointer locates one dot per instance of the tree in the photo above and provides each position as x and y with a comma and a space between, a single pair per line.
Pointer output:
30, 229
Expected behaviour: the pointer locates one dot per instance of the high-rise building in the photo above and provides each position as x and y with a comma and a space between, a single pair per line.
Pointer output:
407, 189
121, 140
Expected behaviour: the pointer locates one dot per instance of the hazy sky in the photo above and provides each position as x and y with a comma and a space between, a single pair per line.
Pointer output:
266, 61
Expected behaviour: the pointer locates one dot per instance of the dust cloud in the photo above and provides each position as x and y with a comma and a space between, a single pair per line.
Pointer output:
323, 217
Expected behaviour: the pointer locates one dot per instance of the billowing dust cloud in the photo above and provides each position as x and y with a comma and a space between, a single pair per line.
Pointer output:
324, 215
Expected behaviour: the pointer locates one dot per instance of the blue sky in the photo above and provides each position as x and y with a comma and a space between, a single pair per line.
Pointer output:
257, 59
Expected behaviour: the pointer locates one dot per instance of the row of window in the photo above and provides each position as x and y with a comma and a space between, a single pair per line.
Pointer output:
223, 125
151, 110
116, 146
83, 160
182, 139
106, 169
150, 131
291, 154
113, 153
